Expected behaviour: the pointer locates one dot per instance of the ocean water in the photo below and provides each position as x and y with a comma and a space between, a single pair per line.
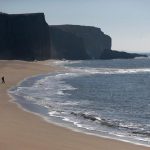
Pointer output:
109, 98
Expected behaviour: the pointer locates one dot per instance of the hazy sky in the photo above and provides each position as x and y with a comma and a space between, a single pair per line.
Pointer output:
126, 21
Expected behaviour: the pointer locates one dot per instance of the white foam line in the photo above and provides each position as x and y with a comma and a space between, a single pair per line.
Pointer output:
13, 100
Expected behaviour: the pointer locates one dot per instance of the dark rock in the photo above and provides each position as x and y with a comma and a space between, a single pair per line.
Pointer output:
93, 39
65, 45
24, 36
28, 37
113, 54
83, 42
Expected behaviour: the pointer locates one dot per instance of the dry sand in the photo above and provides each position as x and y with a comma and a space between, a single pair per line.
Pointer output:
21, 130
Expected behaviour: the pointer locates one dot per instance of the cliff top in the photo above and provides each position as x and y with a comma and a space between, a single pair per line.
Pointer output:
24, 14
40, 17
74, 26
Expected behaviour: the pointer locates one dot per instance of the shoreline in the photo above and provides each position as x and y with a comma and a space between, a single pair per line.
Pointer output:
51, 135
60, 124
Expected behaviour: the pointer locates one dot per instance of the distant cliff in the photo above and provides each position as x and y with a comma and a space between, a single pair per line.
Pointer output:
83, 42
29, 37
94, 41
113, 54
24, 36
65, 45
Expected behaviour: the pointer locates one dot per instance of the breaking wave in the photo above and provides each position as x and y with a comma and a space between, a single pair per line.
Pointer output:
103, 97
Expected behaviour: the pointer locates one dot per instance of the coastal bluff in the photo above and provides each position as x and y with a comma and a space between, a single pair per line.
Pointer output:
93, 41
24, 36
29, 37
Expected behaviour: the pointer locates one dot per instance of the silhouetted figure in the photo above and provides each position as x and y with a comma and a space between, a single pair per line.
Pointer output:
3, 79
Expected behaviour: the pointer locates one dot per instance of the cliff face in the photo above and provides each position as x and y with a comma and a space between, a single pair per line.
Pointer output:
28, 37
93, 39
113, 54
84, 42
65, 45
24, 36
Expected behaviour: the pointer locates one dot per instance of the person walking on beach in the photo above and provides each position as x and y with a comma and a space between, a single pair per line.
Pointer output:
3, 79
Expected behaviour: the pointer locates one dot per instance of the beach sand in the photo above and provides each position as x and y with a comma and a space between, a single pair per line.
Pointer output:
21, 130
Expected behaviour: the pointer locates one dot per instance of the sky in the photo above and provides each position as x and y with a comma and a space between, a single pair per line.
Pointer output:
126, 21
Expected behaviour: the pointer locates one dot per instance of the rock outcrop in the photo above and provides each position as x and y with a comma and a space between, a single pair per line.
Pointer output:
83, 42
29, 37
113, 54
65, 45
93, 39
24, 36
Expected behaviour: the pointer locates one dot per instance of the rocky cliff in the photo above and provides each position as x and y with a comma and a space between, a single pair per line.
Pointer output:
113, 54
65, 45
84, 42
94, 41
24, 36
29, 37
